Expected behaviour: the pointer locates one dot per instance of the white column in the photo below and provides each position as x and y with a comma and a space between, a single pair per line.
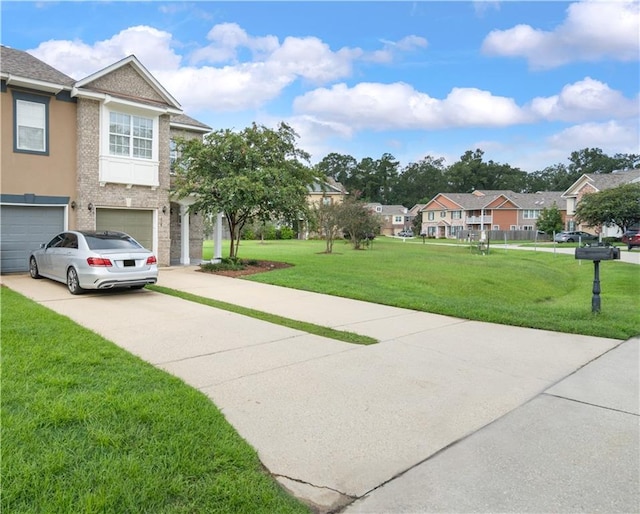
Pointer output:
184, 235
217, 243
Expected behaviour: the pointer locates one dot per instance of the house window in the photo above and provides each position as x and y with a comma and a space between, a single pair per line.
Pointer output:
455, 230
431, 216
31, 122
398, 220
456, 215
530, 214
443, 214
527, 227
173, 155
326, 200
130, 136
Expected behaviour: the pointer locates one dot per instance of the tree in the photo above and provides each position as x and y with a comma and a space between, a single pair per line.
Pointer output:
550, 220
616, 206
325, 218
256, 174
357, 222
419, 182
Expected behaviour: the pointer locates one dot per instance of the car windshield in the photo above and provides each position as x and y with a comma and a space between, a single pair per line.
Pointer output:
111, 242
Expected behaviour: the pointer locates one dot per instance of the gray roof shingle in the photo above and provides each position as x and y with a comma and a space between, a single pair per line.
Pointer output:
25, 65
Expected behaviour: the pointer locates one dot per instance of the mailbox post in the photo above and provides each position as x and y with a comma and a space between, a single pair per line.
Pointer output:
601, 252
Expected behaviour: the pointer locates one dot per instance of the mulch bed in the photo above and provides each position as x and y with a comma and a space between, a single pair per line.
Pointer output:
251, 269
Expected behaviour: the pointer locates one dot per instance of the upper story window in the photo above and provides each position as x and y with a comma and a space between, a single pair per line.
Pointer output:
443, 214
31, 123
530, 214
130, 135
398, 219
430, 215
456, 215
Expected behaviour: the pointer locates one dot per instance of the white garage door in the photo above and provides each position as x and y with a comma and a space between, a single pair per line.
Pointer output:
23, 229
137, 223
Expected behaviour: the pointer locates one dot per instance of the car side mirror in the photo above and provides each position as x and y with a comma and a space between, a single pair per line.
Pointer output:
43, 246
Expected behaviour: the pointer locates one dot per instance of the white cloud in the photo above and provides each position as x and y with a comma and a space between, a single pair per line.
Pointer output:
611, 136
78, 60
400, 106
592, 31
587, 99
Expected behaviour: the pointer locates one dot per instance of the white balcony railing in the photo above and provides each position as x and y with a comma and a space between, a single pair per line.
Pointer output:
476, 220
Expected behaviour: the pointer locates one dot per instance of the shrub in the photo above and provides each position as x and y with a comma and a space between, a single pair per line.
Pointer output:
286, 233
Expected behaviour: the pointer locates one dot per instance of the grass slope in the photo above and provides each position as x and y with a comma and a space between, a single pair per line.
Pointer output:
512, 287
87, 427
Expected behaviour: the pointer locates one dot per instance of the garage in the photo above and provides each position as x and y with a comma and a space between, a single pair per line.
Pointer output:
137, 223
23, 228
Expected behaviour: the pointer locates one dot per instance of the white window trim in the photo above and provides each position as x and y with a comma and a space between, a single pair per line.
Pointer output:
126, 169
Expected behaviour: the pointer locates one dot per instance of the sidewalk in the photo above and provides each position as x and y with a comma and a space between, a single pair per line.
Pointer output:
333, 422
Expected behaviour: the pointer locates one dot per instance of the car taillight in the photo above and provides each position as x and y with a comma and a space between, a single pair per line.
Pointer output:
98, 261
151, 260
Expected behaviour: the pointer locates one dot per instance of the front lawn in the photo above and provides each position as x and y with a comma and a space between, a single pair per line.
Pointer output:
87, 427
513, 287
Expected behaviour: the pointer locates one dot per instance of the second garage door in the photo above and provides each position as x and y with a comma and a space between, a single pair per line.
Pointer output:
23, 229
137, 223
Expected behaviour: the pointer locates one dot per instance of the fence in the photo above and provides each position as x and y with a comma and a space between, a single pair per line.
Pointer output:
509, 235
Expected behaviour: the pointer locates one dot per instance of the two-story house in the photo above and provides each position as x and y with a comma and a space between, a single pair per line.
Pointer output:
448, 215
593, 183
89, 154
393, 218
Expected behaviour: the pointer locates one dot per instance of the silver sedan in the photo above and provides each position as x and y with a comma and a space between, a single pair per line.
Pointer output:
94, 260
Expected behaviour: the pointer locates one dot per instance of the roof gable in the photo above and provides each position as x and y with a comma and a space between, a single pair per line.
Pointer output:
129, 79
600, 181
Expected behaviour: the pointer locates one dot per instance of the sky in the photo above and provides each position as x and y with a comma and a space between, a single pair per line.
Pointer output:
526, 82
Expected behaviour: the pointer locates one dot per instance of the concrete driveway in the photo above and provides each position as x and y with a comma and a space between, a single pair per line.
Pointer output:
333, 421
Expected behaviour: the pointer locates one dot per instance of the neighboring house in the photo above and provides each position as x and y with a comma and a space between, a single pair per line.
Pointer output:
393, 218
448, 215
328, 192
92, 154
592, 183
413, 213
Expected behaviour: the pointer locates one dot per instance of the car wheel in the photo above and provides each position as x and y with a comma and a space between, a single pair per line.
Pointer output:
570, 240
73, 284
33, 268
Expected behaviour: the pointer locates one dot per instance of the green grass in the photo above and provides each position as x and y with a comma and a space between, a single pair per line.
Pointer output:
89, 428
513, 287
340, 335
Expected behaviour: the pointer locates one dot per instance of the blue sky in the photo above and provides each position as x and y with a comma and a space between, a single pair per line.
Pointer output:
526, 82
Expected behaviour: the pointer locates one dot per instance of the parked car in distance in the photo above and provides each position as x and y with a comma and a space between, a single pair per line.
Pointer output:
405, 233
574, 237
631, 238
94, 260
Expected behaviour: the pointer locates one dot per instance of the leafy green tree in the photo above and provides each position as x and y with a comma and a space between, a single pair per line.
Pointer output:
339, 167
326, 220
419, 182
357, 222
257, 174
550, 220
616, 206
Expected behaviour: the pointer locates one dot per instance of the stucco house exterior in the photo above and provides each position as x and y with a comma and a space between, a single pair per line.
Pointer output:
448, 215
90, 154
593, 183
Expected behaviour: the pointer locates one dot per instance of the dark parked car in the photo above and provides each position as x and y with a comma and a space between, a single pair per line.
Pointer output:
405, 233
631, 238
94, 260
574, 237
